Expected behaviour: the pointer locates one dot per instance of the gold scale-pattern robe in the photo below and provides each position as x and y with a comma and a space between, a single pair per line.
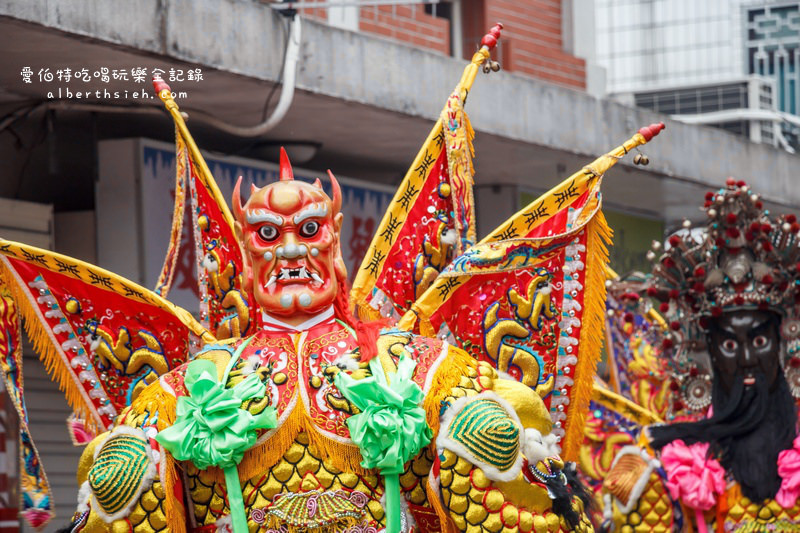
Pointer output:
305, 475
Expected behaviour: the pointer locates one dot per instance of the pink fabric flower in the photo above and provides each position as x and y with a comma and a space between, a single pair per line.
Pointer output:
789, 470
37, 518
692, 477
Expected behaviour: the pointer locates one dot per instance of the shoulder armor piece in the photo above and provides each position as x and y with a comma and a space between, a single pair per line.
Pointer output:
484, 430
123, 468
626, 480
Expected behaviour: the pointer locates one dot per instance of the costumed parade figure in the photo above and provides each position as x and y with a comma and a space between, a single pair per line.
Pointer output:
729, 458
284, 412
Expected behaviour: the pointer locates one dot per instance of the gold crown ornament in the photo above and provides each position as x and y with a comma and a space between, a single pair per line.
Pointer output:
743, 258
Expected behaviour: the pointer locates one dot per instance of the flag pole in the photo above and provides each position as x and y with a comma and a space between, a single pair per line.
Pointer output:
165, 94
488, 43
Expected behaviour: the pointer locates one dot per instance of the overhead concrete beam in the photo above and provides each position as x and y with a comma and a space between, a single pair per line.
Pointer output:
246, 38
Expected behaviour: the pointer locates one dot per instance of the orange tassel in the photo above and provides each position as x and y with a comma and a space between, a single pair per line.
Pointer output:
598, 237
448, 374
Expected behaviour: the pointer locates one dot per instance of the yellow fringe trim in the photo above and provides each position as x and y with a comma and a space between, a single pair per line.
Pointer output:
447, 376
173, 508
344, 457
56, 368
258, 459
598, 238
366, 313
155, 399
262, 457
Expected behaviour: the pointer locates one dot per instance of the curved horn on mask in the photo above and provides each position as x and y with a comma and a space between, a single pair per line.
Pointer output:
236, 201
317, 183
253, 189
337, 193
286, 167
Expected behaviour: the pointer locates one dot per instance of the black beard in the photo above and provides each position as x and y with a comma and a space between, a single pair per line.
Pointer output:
750, 427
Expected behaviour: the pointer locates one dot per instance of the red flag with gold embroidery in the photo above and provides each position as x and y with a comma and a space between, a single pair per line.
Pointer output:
102, 338
530, 297
431, 218
225, 307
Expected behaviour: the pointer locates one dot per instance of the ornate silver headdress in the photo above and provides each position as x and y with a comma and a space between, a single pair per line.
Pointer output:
742, 258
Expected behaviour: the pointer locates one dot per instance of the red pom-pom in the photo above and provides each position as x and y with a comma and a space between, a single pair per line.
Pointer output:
677, 405
675, 325
749, 235
795, 227
160, 84
733, 233
699, 272
652, 292
693, 372
759, 205
755, 227
698, 286
791, 218
730, 218
666, 344
663, 307
716, 311
741, 183
719, 241
673, 385
766, 228
709, 195
767, 279
730, 182
794, 362
767, 246
738, 299
707, 203
674, 240
668, 262
628, 317
673, 294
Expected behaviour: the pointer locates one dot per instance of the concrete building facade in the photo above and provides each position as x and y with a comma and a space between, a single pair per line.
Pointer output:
734, 64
